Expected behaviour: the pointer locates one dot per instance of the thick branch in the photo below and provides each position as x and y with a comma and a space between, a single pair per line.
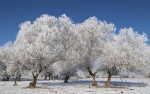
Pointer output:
90, 72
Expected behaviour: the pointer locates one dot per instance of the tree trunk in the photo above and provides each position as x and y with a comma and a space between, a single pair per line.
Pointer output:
49, 77
7, 78
66, 79
94, 83
15, 81
33, 83
108, 80
19, 78
45, 78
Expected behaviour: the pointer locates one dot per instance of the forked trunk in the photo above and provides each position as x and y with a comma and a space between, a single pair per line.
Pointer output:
66, 79
15, 81
94, 83
33, 83
108, 80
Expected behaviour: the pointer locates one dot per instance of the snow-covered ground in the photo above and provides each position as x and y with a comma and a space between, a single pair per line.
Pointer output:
83, 86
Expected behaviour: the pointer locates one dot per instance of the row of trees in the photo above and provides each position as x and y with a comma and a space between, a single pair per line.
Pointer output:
58, 43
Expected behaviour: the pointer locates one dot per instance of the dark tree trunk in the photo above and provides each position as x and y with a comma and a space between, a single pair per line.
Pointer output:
49, 77
66, 79
33, 83
94, 83
19, 78
7, 78
109, 79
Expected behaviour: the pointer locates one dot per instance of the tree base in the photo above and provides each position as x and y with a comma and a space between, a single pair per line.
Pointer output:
107, 84
15, 84
32, 85
65, 81
94, 84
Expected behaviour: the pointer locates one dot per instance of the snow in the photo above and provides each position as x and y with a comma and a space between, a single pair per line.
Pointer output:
82, 86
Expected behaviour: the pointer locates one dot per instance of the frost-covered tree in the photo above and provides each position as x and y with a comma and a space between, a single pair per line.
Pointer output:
3, 72
123, 52
45, 41
65, 69
6, 54
144, 69
10, 57
48, 72
90, 35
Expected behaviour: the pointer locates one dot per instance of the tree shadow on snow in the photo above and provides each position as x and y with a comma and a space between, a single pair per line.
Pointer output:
87, 83
121, 83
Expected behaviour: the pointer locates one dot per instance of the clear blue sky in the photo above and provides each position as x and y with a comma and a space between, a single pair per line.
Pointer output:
123, 13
